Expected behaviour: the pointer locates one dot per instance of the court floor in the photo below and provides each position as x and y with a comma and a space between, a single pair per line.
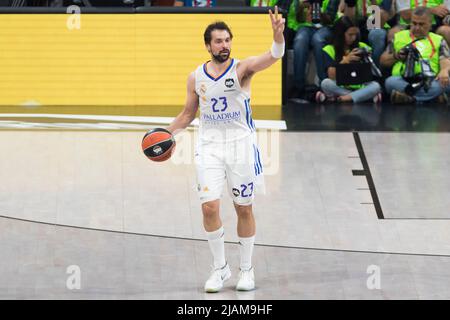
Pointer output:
346, 215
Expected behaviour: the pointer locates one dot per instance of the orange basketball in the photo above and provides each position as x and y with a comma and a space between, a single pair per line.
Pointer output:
158, 144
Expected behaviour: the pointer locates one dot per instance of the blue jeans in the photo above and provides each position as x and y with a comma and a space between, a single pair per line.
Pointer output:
371, 89
306, 37
377, 40
397, 83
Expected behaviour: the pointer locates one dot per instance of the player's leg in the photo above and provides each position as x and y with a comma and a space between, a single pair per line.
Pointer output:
211, 216
211, 178
246, 220
216, 241
243, 175
246, 229
214, 232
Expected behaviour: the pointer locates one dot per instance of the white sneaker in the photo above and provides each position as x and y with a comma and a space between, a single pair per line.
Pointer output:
246, 280
217, 278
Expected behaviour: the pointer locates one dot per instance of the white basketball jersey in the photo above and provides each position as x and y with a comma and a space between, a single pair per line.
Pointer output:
225, 112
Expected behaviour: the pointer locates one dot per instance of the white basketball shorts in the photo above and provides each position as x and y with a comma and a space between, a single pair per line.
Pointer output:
237, 162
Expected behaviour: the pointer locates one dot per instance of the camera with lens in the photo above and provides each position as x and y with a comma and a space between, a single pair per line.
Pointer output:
426, 75
365, 56
316, 17
316, 14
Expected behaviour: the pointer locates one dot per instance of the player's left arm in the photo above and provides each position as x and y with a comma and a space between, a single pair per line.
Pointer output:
259, 63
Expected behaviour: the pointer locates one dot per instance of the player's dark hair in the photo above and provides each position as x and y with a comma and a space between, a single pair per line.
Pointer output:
218, 25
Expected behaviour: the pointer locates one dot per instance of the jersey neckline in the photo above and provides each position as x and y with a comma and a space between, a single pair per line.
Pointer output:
219, 77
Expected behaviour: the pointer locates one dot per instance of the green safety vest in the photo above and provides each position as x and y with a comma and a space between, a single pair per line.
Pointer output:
422, 3
263, 3
428, 48
292, 15
329, 49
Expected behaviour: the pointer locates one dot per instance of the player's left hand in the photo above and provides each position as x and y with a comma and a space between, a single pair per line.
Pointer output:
278, 23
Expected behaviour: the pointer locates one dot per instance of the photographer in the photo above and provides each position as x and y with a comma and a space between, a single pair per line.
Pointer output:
433, 51
346, 48
440, 11
376, 37
312, 30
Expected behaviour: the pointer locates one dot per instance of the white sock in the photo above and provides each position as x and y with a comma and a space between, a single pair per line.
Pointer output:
246, 250
216, 242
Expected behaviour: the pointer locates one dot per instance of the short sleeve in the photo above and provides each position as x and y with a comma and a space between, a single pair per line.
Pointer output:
444, 50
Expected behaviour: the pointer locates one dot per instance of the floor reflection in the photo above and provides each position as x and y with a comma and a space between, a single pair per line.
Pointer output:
367, 117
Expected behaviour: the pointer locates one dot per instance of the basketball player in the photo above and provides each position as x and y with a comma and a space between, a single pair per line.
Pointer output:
226, 148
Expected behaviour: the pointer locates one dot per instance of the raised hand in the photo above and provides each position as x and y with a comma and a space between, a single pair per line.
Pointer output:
278, 23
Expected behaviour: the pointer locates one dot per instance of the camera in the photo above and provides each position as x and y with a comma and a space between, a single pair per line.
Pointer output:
365, 56
361, 52
315, 11
416, 81
316, 14
412, 56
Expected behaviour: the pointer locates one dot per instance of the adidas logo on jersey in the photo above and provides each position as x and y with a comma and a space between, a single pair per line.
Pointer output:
203, 88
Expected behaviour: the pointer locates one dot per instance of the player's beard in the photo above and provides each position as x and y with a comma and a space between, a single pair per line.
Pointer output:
221, 57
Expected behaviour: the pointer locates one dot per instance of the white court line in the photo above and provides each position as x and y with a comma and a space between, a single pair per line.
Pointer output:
260, 124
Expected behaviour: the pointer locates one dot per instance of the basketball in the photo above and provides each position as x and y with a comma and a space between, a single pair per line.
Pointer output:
158, 144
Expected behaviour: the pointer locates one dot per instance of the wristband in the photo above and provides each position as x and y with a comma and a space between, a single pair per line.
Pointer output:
277, 50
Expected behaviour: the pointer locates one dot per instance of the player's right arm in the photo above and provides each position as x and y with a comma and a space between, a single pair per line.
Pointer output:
190, 108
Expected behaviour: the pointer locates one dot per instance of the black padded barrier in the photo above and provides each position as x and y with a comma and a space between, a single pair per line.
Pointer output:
47, 10
249, 10
98, 10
